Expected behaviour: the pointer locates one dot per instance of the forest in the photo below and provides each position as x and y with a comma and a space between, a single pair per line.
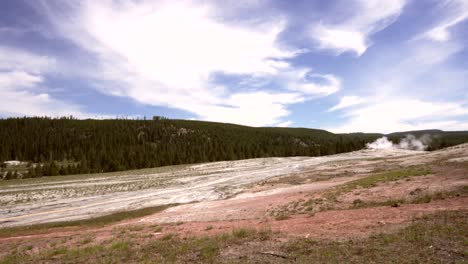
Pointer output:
61, 146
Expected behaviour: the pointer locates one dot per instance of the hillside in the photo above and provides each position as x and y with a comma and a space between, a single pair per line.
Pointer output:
70, 146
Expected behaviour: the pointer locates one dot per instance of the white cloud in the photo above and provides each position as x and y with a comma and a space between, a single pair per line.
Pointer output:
25, 103
253, 109
352, 34
167, 53
410, 87
12, 59
347, 101
398, 114
284, 124
18, 92
21, 77
18, 79
340, 40
309, 83
459, 13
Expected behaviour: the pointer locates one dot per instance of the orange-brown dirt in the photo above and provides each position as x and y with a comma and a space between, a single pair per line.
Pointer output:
252, 209
250, 213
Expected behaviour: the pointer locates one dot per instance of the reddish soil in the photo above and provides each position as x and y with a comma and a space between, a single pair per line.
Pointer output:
245, 206
336, 224
252, 210
408, 189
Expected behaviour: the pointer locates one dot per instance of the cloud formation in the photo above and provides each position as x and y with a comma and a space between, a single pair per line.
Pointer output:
21, 77
168, 53
458, 13
401, 114
258, 63
347, 101
352, 33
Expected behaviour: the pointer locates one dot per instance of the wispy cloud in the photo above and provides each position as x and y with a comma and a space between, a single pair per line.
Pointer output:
410, 87
458, 12
347, 101
245, 62
352, 33
13, 59
20, 97
400, 114
310, 83
167, 53
21, 78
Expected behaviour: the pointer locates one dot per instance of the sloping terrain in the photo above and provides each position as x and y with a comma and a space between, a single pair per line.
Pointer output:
43, 200
358, 206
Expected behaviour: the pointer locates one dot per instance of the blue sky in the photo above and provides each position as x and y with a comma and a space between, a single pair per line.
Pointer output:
344, 66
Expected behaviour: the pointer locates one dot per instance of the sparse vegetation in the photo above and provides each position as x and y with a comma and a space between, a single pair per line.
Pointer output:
282, 216
373, 180
158, 229
439, 238
422, 198
242, 232
93, 222
328, 200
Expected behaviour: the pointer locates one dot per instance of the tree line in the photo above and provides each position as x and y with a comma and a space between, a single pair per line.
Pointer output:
62, 146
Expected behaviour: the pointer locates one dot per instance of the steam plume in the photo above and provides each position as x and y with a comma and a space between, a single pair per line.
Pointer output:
409, 142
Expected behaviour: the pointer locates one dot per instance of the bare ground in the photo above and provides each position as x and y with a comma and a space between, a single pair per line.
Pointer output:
291, 183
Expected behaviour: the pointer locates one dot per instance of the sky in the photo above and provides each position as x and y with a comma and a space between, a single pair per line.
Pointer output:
344, 66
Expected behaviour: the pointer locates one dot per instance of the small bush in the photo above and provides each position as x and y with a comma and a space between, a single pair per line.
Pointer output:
241, 233
282, 216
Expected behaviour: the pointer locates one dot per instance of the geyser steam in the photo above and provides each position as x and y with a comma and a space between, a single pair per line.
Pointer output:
409, 142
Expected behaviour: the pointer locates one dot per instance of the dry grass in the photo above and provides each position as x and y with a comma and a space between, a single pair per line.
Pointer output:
93, 222
439, 238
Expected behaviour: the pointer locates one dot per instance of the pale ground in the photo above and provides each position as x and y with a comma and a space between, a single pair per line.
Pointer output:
223, 196
236, 183
62, 199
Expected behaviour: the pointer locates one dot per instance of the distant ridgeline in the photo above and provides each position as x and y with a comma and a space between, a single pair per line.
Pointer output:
69, 146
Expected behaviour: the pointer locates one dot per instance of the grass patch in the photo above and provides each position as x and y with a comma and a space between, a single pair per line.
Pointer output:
373, 180
425, 198
86, 240
282, 216
390, 202
369, 182
438, 238
158, 229
329, 199
242, 232
93, 222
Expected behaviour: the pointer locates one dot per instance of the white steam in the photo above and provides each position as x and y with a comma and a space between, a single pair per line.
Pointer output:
380, 143
409, 142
